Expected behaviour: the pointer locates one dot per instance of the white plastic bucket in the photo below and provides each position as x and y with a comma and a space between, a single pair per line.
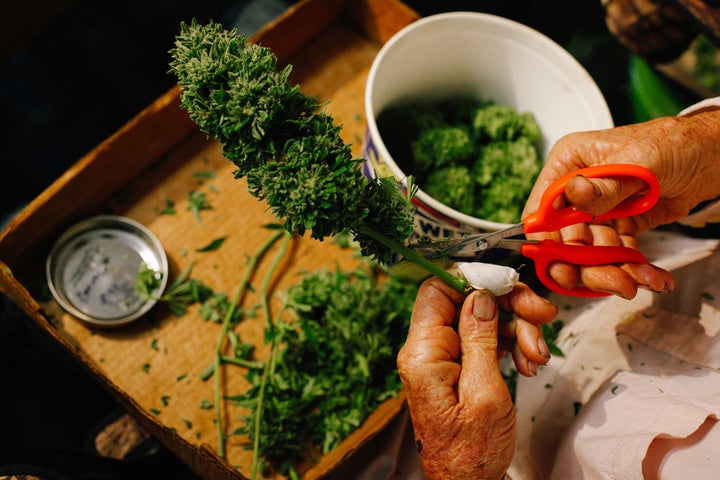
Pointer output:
477, 55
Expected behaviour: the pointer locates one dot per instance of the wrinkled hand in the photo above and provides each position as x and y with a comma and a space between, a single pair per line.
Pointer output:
462, 413
682, 152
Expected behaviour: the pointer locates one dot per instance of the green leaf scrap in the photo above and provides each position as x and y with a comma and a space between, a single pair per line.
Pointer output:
197, 201
213, 245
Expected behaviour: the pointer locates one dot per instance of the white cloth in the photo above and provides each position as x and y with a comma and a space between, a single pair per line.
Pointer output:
708, 102
637, 394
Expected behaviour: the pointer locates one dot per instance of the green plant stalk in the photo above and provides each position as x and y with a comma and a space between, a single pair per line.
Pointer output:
455, 281
267, 372
265, 305
264, 291
258, 409
242, 362
237, 296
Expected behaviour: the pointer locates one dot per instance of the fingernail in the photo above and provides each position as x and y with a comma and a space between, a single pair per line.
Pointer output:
542, 346
665, 289
484, 306
532, 368
617, 294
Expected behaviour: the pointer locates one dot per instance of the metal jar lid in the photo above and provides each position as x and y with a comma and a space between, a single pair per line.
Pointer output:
93, 267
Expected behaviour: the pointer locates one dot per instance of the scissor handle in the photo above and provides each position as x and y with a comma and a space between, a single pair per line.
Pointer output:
548, 218
546, 251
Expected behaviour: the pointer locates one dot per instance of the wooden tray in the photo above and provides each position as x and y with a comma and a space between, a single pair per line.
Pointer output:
331, 45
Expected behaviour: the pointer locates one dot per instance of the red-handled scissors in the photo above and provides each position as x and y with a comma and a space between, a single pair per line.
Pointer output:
547, 219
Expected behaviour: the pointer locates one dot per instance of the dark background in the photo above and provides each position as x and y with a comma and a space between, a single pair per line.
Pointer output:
99, 63
88, 69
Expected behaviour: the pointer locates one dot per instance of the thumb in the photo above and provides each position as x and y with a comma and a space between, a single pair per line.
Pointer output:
480, 379
599, 195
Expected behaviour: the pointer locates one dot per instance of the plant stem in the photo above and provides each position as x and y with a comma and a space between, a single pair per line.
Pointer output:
258, 409
270, 365
455, 281
239, 292
242, 362
264, 291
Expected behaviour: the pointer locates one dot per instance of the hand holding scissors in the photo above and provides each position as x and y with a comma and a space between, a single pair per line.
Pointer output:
549, 218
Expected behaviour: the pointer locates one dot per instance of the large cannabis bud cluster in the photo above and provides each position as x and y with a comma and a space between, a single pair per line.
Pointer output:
281, 141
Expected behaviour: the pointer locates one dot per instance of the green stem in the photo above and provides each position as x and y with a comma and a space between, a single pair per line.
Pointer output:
455, 281
265, 285
270, 365
258, 413
241, 362
267, 372
239, 292
207, 371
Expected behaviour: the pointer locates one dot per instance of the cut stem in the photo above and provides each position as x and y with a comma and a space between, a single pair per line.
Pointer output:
270, 365
240, 362
252, 264
455, 281
264, 292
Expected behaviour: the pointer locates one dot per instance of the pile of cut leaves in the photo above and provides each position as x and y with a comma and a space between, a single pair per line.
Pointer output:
333, 346
331, 365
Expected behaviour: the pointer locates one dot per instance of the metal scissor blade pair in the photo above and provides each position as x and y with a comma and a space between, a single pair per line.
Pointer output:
455, 247
469, 246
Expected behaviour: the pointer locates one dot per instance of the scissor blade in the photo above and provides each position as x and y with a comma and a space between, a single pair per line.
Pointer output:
514, 244
466, 247
493, 239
